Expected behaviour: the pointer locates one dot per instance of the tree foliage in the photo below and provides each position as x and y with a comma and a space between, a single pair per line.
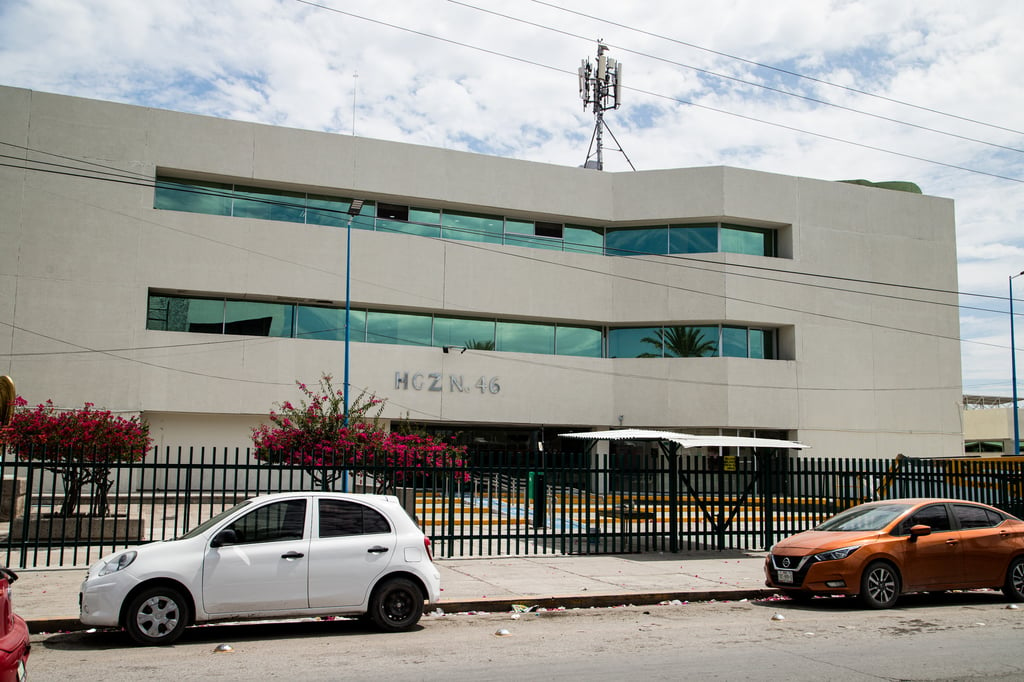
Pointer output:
314, 435
79, 445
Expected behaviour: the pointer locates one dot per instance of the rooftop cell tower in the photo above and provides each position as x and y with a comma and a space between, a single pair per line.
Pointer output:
601, 86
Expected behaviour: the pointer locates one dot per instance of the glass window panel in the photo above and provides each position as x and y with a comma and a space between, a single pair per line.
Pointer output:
316, 322
266, 204
399, 328
762, 344
271, 523
734, 342
181, 314
528, 241
158, 313
583, 341
464, 332
635, 342
693, 238
194, 196
690, 342
393, 212
581, 239
257, 318
632, 241
408, 228
473, 227
329, 211
519, 226
428, 216
526, 337
749, 240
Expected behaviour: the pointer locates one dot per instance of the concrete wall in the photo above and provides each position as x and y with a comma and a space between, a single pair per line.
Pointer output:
866, 370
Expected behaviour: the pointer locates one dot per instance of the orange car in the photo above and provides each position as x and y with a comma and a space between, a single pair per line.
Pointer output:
880, 550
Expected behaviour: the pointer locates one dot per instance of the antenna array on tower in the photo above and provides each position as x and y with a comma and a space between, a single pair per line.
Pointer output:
601, 89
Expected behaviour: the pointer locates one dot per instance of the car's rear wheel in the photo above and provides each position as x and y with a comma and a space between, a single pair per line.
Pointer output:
396, 604
1013, 588
157, 616
880, 585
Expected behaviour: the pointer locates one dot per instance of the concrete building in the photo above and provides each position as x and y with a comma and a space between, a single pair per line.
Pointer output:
191, 269
988, 425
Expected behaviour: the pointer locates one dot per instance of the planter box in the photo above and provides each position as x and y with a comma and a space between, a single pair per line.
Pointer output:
78, 528
12, 498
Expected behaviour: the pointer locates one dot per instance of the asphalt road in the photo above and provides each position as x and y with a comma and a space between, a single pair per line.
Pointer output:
958, 636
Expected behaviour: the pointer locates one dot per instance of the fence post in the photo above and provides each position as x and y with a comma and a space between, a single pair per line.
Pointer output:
673, 501
764, 462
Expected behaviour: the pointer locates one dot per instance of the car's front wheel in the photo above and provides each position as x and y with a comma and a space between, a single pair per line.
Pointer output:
880, 585
396, 604
1013, 588
157, 616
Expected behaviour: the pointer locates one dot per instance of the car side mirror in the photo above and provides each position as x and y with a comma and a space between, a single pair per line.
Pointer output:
918, 531
225, 537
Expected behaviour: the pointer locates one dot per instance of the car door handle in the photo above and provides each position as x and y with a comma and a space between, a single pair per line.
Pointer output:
952, 542
292, 555
377, 550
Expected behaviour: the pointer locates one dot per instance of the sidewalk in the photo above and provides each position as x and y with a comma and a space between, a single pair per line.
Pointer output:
48, 598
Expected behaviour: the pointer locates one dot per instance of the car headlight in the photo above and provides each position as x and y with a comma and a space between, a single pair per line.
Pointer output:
123, 560
834, 554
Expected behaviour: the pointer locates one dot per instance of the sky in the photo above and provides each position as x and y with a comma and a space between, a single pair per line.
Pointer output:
922, 90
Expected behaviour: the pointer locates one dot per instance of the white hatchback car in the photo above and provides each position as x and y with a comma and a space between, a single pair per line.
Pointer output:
283, 555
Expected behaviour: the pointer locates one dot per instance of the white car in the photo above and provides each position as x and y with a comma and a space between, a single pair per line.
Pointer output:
275, 556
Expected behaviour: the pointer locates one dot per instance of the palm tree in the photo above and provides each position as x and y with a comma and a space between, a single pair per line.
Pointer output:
680, 342
480, 345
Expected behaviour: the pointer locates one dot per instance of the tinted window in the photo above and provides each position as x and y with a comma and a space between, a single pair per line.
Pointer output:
934, 516
693, 238
253, 202
401, 328
283, 520
465, 332
525, 337
864, 517
584, 341
339, 518
635, 342
970, 516
193, 196
632, 241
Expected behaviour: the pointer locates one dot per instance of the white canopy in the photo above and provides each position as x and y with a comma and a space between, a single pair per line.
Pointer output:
687, 440
628, 434
737, 442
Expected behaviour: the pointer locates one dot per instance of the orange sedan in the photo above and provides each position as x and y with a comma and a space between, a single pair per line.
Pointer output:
880, 550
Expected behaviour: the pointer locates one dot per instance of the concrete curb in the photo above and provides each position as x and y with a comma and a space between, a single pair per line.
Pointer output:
53, 625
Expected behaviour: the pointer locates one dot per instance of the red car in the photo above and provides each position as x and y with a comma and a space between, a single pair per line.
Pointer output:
14, 643
881, 550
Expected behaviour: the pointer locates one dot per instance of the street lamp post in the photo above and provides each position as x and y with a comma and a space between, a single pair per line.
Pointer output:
1013, 373
353, 210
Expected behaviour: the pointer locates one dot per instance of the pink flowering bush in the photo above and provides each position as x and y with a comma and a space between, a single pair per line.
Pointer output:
314, 436
78, 445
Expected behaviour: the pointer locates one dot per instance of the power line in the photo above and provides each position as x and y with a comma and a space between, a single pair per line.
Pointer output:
782, 71
684, 260
734, 79
670, 98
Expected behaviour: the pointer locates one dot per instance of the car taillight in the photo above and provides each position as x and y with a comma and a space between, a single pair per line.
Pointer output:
426, 546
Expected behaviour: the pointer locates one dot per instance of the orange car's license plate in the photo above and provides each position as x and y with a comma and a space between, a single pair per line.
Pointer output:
785, 576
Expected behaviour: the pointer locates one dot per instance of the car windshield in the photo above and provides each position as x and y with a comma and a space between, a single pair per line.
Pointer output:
865, 517
203, 527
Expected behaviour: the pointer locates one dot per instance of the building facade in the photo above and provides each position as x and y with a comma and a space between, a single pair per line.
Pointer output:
192, 269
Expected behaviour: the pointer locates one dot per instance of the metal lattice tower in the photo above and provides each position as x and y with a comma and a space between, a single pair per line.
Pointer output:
601, 88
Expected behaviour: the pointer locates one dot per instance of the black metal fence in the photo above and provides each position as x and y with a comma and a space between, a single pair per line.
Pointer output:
500, 504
